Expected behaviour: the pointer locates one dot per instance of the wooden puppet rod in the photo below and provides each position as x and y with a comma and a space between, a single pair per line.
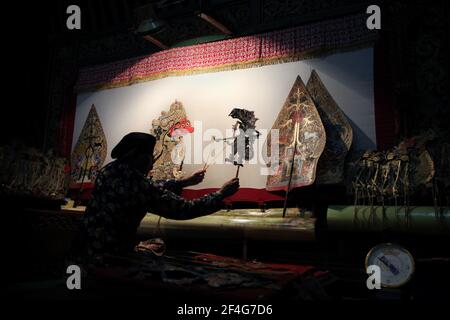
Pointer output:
290, 178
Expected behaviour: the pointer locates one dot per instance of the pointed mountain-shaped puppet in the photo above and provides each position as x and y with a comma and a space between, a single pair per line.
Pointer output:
300, 128
90, 151
330, 169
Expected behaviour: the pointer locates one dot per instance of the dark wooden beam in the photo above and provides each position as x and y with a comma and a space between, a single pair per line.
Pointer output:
155, 41
216, 24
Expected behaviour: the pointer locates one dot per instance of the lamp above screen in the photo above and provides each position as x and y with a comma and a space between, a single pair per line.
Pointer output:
147, 21
149, 26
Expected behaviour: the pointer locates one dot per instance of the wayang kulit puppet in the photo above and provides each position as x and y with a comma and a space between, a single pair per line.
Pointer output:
90, 151
242, 144
339, 133
302, 140
169, 152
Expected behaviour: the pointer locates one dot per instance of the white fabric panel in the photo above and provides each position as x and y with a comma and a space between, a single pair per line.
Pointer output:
209, 98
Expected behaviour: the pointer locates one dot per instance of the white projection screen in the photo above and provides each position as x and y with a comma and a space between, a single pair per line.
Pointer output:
208, 99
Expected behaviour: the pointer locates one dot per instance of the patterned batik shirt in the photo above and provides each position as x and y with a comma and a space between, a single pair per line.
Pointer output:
121, 198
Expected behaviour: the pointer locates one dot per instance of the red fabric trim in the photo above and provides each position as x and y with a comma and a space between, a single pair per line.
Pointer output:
258, 196
243, 195
74, 191
386, 115
66, 127
273, 47
86, 185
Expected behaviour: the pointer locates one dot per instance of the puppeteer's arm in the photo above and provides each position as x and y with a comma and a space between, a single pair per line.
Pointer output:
171, 206
176, 186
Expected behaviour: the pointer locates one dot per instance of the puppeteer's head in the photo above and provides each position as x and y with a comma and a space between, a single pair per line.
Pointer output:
136, 149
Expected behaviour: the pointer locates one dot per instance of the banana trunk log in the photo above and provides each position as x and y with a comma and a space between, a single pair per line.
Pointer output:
413, 220
235, 224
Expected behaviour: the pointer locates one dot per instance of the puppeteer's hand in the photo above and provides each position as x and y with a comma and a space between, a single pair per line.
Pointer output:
194, 179
230, 187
